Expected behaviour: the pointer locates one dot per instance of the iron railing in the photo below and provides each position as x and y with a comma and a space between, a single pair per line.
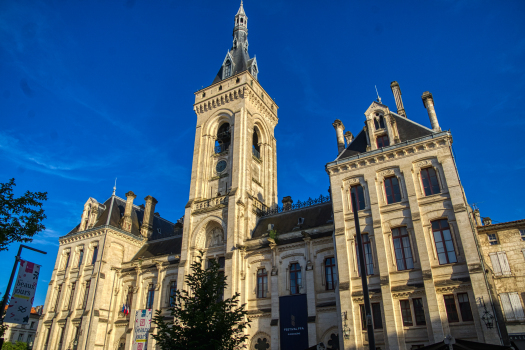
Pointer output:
256, 153
209, 203
221, 148
298, 205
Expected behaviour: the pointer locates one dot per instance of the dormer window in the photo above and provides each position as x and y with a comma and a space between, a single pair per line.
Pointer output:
254, 71
300, 221
227, 69
379, 122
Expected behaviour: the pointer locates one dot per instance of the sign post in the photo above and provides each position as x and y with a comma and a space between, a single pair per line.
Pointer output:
8, 289
142, 326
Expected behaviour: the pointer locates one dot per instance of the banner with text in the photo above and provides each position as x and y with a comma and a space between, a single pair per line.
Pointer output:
293, 321
142, 326
23, 294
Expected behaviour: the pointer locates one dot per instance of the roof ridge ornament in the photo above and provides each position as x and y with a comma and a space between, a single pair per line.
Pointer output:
378, 98
115, 187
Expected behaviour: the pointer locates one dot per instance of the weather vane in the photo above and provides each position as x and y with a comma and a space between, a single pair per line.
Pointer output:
378, 98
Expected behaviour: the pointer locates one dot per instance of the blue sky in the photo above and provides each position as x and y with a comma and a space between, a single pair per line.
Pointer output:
93, 90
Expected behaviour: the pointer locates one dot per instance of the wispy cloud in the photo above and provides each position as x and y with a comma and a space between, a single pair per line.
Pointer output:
48, 237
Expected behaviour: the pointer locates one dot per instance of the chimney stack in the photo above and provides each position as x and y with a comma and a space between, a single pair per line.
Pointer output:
147, 224
487, 221
287, 203
339, 130
428, 102
349, 137
396, 90
126, 222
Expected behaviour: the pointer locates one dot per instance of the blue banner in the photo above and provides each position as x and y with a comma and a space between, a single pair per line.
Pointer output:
293, 321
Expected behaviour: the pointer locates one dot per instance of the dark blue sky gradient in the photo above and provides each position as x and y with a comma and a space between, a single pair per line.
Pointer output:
93, 90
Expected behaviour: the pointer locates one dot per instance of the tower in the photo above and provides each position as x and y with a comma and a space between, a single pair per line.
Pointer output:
234, 161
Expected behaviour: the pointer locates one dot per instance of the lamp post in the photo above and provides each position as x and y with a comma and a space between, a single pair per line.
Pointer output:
487, 317
8, 289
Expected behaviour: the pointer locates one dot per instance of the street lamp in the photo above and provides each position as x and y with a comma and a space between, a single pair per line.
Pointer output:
346, 329
487, 317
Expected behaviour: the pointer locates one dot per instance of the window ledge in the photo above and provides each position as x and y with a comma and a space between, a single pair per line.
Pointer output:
433, 197
414, 327
457, 324
385, 208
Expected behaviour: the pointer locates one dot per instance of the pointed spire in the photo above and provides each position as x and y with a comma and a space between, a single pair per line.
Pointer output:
241, 10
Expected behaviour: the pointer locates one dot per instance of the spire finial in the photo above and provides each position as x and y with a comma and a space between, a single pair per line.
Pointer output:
378, 98
115, 187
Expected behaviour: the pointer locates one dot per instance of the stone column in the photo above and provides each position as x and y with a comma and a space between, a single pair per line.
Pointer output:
339, 130
428, 102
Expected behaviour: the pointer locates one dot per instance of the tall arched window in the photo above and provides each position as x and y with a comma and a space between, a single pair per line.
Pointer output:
330, 273
262, 283
227, 69
223, 138
256, 149
295, 278
381, 122
359, 195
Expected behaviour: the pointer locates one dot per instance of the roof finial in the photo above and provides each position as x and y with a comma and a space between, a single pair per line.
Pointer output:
378, 98
115, 187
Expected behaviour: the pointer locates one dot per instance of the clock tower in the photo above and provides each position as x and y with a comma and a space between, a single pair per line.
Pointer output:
234, 173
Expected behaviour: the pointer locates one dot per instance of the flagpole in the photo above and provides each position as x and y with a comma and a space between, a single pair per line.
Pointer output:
8, 289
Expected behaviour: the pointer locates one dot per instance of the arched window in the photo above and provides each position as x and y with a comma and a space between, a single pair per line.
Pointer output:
256, 150
376, 124
295, 278
254, 72
381, 122
430, 182
227, 69
262, 283
223, 138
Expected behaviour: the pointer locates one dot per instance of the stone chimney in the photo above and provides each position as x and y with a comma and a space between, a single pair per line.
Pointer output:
396, 90
428, 102
339, 130
147, 224
126, 220
287, 203
487, 221
477, 217
349, 137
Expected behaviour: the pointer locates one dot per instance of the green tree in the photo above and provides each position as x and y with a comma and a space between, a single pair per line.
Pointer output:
20, 218
14, 346
201, 319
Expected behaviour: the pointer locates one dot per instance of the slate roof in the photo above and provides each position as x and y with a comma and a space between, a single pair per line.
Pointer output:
171, 246
408, 130
241, 62
162, 228
315, 216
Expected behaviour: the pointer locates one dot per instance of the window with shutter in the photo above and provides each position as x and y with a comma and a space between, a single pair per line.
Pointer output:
515, 302
496, 268
504, 263
507, 307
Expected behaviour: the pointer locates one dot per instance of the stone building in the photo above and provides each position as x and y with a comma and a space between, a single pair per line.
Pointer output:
24, 333
274, 253
503, 248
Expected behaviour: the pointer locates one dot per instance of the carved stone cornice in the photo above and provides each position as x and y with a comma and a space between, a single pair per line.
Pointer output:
453, 288
407, 294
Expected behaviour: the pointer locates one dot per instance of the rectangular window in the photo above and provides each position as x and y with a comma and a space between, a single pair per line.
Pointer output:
29, 339
295, 278
512, 306
47, 337
330, 273
262, 283
363, 317
66, 264
173, 291
86, 294
406, 313
443, 239
71, 295
493, 240
32, 325
376, 314
95, 253
452, 311
359, 195
393, 193
500, 264
430, 181
464, 307
367, 250
80, 257
419, 312
402, 249
150, 296
522, 234
20, 336
61, 341
221, 262
57, 301
382, 141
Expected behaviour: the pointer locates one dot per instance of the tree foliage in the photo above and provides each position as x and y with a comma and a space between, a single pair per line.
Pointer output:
14, 346
20, 218
201, 319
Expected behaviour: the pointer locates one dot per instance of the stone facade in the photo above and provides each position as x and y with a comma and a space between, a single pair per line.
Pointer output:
503, 248
410, 201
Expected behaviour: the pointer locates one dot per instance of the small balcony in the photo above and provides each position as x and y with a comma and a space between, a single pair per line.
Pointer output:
221, 148
256, 153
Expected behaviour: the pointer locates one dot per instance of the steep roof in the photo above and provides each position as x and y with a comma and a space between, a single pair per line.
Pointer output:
162, 228
408, 130
314, 216
171, 246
